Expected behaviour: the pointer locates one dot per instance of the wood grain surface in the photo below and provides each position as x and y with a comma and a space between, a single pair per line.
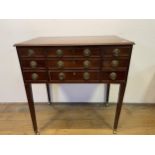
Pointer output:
81, 40
74, 119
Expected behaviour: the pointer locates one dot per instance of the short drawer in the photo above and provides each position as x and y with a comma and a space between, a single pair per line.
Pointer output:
73, 51
33, 64
114, 76
35, 76
74, 76
116, 51
31, 52
73, 63
115, 63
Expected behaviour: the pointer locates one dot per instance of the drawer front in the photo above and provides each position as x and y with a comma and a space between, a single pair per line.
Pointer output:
31, 52
114, 51
74, 64
35, 76
115, 63
114, 76
73, 52
33, 64
75, 76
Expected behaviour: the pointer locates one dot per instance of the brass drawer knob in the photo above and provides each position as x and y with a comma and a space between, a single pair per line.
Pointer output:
61, 76
31, 52
86, 64
60, 64
33, 64
34, 76
87, 52
59, 52
114, 63
86, 76
116, 52
113, 76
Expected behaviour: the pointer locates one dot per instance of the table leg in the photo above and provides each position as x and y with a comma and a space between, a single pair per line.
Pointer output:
119, 106
29, 94
107, 94
48, 93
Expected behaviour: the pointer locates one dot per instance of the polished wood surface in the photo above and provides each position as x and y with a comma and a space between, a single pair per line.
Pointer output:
136, 119
102, 59
70, 41
74, 63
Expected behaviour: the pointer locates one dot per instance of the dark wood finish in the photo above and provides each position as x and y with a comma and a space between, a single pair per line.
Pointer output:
27, 63
37, 52
108, 64
76, 63
103, 59
121, 76
48, 93
72, 76
72, 51
42, 76
31, 106
75, 41
119, 105
108, 51
107, 94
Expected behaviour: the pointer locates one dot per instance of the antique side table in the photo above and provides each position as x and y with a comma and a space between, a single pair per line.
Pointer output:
96, 59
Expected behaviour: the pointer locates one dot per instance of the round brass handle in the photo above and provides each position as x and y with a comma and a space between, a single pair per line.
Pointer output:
87, 52
86, 63
116, 52
33, 64
113, 76
86, 76
61, 76
34, 76
60, 64
59, 52
114, 63
31, 52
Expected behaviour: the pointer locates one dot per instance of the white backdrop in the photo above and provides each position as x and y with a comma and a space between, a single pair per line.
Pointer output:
141, 80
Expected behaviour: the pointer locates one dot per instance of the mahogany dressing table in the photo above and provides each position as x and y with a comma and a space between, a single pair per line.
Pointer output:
96, 59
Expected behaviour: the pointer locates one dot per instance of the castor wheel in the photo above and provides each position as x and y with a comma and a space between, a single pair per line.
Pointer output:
37, 132
107, 105
114, 131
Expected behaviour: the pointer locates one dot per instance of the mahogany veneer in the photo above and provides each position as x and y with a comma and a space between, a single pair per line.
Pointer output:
100, 59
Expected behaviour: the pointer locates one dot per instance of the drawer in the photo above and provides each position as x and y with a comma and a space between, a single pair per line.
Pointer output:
74, 63
115, 51
115, 63
31, 51
33, 64
73, 51
74, 76
35, 76
114, 76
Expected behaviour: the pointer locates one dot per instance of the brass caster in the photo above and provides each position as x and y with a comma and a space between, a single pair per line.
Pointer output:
107, 104
114, 131
50, 103
37, 132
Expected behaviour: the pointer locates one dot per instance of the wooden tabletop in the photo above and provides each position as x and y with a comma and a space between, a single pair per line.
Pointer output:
75, 41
